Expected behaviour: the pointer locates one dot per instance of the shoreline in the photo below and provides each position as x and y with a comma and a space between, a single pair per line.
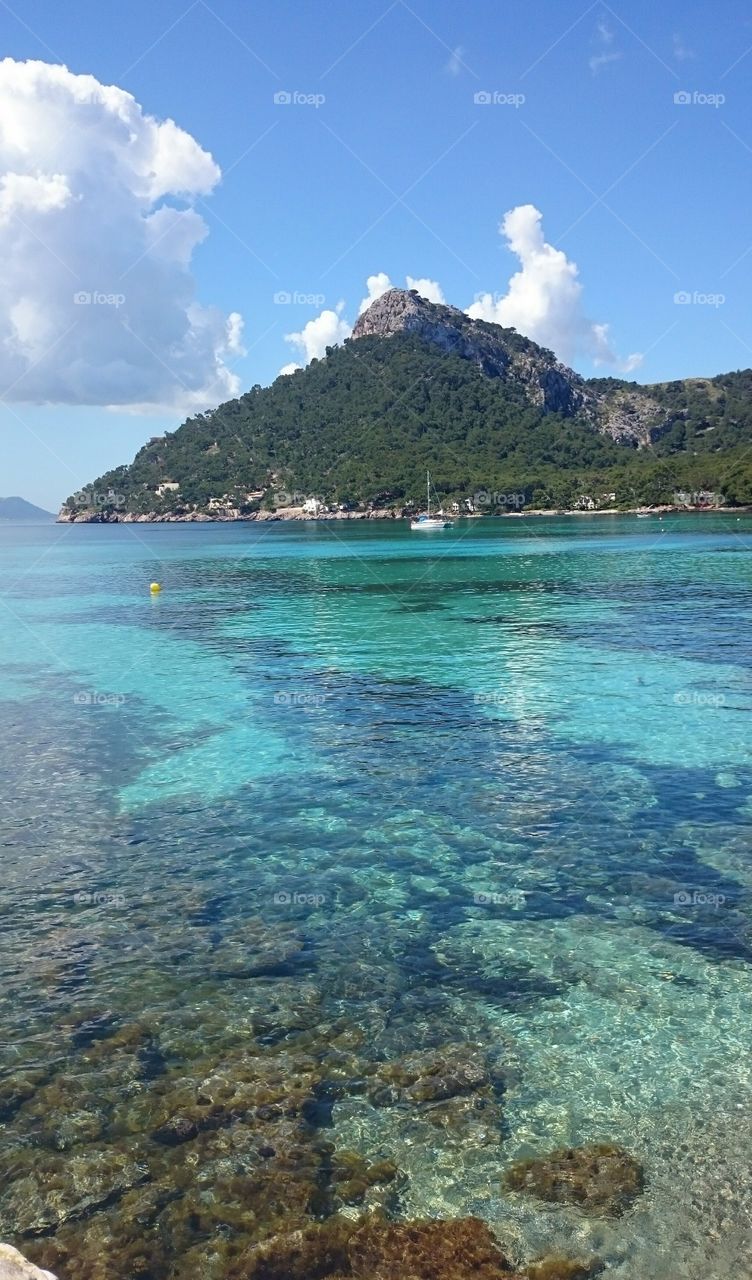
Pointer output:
294, 514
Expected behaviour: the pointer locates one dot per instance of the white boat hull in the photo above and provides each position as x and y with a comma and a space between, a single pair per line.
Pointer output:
429, 522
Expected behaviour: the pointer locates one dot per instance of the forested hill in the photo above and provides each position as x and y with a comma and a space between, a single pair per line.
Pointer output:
421, 386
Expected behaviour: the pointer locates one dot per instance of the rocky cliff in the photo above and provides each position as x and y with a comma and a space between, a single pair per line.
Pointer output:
629, 416
497, 352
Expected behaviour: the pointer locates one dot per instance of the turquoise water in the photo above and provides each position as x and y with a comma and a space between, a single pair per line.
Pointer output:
492, 785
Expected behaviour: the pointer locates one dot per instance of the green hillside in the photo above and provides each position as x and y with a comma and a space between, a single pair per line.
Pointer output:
362, 425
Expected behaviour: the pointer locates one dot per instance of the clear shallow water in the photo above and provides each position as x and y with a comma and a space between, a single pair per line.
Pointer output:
491, 786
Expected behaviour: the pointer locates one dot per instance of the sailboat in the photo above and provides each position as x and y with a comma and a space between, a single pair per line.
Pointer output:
428, 521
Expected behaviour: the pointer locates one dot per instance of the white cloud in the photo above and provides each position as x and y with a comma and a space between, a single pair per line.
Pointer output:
604, 40
456, 62
376, 285
95, 199
380, 283
429, 289
326, 330
22, 193
544, 298
331, 327
599, 60
681, 51
289, 368
605, 34
234, 331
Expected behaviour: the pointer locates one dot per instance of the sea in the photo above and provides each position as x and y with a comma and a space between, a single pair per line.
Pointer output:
342, 796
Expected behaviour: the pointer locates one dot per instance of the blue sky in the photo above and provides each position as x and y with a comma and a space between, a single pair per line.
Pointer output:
400, 170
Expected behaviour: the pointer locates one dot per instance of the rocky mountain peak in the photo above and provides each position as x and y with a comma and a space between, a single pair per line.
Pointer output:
401, 311
628, 415
497, 352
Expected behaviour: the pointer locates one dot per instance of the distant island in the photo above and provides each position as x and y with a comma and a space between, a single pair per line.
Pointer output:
504, 427
16, 510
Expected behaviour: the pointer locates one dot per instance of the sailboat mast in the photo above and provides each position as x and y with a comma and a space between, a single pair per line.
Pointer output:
428, 493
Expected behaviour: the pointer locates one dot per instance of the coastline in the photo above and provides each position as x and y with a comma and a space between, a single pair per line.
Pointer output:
297, 514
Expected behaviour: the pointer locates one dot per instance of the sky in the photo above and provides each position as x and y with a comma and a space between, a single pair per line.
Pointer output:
197, 196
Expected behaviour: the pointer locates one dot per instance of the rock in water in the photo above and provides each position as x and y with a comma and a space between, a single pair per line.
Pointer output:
379, 1250
57, 1190
14, 1266
431, 1075
600, 1179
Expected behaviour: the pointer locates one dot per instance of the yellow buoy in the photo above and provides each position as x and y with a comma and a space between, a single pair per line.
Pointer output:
155, 587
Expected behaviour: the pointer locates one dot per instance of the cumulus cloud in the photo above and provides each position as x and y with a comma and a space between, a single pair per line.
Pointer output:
380, 282
544, 298
234, 331
429, 289
332, 327
326, 330
97, 302
376, 285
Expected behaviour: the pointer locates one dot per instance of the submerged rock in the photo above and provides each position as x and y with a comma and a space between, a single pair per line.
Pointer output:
431, 1250
379, 1250
431, 1075
257, 949
601, 1179
352, 1178
376, 1249
15, 1090
176, 1130
87, 1029
56, 1191
74, 1128
555, 1268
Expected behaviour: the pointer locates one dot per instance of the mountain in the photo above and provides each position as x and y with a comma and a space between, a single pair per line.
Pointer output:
503, 353
17, 509
497, 419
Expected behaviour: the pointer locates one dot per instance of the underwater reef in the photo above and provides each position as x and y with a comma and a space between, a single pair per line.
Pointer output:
598, 1179
150, 1155
371, 1249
